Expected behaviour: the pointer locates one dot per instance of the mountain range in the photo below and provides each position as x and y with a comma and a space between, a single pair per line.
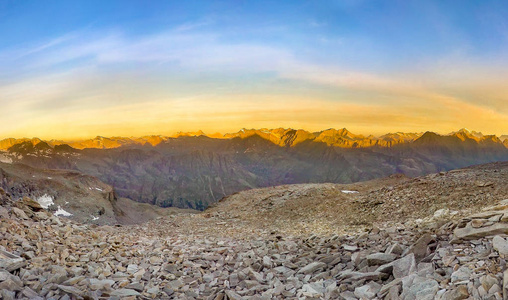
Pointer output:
193, 170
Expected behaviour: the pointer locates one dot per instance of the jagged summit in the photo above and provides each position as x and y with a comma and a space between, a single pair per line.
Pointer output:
284, 137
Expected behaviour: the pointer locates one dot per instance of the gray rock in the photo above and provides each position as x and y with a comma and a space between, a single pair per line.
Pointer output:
124, 293
313, 289
10, 262
500, 244
386, 288
420, 247
71, 290
312, 267
348, 295
471, 233
4, 275
377, 259
367, 291
233, 295
350, 248
12, 283
420, 288
395, 249
404, 266
7, 295
19, 213
462, 274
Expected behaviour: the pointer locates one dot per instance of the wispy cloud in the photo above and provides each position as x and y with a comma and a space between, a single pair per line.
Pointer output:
88, 79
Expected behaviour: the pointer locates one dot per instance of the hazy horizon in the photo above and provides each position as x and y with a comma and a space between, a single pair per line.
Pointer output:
176, 133
132, 68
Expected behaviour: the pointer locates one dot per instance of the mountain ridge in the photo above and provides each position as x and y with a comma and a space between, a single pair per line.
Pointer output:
284, 137
197, 171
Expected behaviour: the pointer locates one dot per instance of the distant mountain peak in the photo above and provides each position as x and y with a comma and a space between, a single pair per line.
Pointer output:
285, 137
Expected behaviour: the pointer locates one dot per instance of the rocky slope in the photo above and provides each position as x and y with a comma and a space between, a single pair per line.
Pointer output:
194, 172
432, 249
82, 198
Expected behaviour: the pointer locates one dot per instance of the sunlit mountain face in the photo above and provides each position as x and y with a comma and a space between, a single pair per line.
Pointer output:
193, 170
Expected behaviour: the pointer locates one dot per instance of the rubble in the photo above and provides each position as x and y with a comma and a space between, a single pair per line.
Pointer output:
191, 257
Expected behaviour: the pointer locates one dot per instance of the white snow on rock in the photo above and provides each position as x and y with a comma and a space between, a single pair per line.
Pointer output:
99, 189
5, 159
94, 218
45, 201
349, 192
61, 212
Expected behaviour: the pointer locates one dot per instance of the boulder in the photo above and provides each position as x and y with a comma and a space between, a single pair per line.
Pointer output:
500, 244
10, 262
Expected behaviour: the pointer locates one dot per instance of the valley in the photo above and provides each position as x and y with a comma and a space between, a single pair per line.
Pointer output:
192, 170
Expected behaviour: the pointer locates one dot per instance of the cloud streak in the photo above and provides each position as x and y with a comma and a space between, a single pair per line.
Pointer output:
88, 81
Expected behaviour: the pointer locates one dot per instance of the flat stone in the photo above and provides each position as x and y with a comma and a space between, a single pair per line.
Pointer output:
19, 213
71, 290
124, 293
34, 205
500, 244
96, 284
349, 276
367, 291
132, 268
404, 266
377, 259
462, 274
312, 267
233, 295
421, 288
10, 262
386, 288
395, 249
12, 283
313, 289
350, 248
470, 233
486, 214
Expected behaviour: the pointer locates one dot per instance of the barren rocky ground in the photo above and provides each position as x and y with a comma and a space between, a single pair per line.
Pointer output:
440, 236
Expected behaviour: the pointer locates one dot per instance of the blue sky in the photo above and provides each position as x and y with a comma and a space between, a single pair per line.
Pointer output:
83, 68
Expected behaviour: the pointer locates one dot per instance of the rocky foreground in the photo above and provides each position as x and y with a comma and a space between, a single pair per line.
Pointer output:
446, 255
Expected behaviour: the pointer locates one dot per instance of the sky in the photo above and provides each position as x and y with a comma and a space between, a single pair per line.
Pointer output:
78, 69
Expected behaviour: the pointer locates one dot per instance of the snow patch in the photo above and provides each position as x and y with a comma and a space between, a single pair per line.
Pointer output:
349, 192
45, 201
94, 218
61, 212
99, 189
50, 178
5, 159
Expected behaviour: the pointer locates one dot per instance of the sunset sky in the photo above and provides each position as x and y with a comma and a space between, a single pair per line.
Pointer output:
76, 69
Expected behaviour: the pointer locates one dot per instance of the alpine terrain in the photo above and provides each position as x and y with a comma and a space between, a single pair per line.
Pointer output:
193, 170
439, 236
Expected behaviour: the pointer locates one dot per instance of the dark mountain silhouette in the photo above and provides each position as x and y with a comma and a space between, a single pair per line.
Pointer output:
194, 171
